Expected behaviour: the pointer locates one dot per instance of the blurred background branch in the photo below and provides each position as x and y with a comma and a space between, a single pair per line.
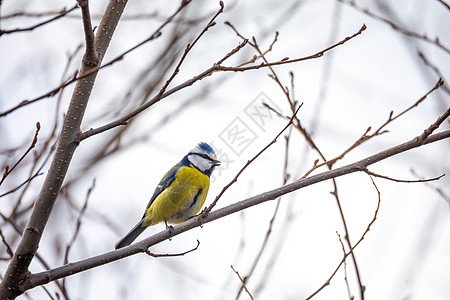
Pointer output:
283, 248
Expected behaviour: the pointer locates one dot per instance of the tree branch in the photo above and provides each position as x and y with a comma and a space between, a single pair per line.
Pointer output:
98, 67
60, 14
90, 56
142, 246
217, 67
8, 170
17, 272
396, 27
211, 206
352, 248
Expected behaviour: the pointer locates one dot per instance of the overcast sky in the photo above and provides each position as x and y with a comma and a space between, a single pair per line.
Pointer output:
405, 255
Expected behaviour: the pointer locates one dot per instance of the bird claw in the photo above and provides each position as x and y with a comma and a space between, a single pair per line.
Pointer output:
170, 228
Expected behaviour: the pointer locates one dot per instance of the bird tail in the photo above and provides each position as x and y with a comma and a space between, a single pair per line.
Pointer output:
131, 236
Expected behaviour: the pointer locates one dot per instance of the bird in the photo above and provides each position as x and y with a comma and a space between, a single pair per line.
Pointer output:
180, 194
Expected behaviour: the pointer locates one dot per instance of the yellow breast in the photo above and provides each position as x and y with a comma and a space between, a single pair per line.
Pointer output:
182, 199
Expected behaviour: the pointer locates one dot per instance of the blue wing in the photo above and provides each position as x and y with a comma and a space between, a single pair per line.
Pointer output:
164, 183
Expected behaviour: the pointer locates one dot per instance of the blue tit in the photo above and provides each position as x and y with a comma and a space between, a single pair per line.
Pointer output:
180, 194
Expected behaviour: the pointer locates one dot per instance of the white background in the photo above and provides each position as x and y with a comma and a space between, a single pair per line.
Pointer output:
406, 254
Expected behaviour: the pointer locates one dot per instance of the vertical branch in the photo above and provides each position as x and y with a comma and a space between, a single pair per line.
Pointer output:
17, 273
90, 57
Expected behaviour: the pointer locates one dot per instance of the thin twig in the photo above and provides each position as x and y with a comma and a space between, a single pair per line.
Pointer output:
123, 120
345, 268
36, 174
47, 143
90, 56
59, 15
310, 141
172, 254
78, 223
77, 229
150, 16
206, 73
426, 133
327, 282
284, 61
188, 48
91, 71
33, 144
365, 136
435, 69
403, 180
396, 27
8, 247
434, 188
210, 207
242, 282
445, 4
272, 220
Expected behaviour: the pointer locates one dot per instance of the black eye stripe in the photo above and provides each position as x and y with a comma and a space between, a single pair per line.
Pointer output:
203, 156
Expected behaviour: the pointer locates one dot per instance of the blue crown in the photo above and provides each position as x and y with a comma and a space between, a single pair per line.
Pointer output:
205, 147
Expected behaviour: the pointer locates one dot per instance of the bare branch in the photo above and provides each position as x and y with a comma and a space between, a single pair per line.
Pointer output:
435, 125
215, 68
353, 248
33, 176
8, 247
365, 136
90, 56
345, 268
396, 27
59, 15
271, 222
438, 190
141, 246
435, 69
123, 120
445, 4
403, 180
210, 207
39, 258
243, 282
310, 141
210, 24
17, 271
93, 71
78, 223
288, 61
172, 254
33, 144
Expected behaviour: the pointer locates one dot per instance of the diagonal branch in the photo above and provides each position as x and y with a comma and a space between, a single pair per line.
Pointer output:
445, 4
352, 248
209, 208
142, 246
217, 67
60, 14
98, 67
396, 27
33, 144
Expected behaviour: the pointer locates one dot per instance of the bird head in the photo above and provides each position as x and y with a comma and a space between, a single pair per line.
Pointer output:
203, 158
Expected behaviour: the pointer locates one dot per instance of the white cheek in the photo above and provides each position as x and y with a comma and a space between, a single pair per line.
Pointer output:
200, 162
